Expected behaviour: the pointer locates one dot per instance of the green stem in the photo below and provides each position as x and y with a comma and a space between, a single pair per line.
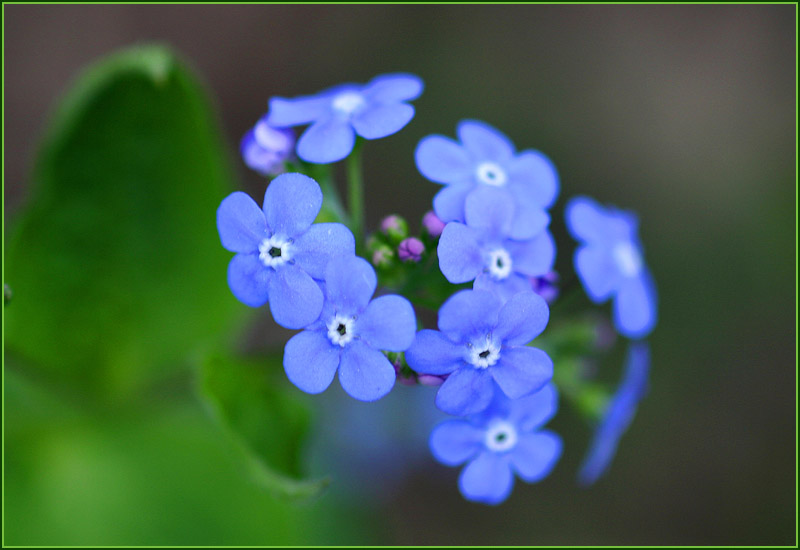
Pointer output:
355, 193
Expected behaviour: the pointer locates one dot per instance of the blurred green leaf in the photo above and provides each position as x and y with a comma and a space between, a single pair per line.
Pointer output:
271, 422
115, 264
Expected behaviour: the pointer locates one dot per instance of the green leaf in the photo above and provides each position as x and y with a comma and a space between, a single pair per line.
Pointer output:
116, 265
265, 417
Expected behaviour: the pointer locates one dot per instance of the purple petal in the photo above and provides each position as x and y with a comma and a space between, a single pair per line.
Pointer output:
538, 176
469, 314
504, 289
310, 361
314, 249
597, 271
522, 319
532, 411
460, 256
533, 257
485, 142
388, 323
295, 300
240, 223
455, 441
449, 202
535, 455
350, 283
487, 479
291, 203
522, 370
366, 374
466, 391
391, 88
432, 353
294, 112
635, 306
326, 141
249, 279
442, 160
490, 209
378, 121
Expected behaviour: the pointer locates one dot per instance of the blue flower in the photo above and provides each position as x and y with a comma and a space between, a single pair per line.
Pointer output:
502, 441
481, 341
336, 115
486, 158
279, 252
618, 414
609, 262
349, 335
265, 149
482, 248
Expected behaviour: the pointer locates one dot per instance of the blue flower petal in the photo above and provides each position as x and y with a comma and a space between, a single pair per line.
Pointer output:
469, 314
366, 374
455, 441
291, 203
249, 279
449, 202
484, 142
378, 121
391, 88
432, 353
466, 391
504, 289
240, 223
388, 323
323, 241
490, 209
460, 257
442, 160
522, 319
635, 306
327, 140
533, 172
487, 479
618, 415
529, 219
295, 112
592, 223
350, 283
310, 361
597, 271
522, 371
532, 411
295, 300
535, 455
535, 256
257, 157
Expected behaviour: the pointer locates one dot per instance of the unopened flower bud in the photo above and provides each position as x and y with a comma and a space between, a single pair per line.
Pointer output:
410, 250
430, 380
395, 228
382, 256
265, 149
432, 224
546, 286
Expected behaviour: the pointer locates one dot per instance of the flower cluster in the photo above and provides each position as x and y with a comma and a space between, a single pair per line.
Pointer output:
496, 365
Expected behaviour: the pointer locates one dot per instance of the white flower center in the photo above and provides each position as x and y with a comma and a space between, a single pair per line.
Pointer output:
274, 251
340, 330
348, 103
628, 258
501, 436
484, 354
491, 174
499, 264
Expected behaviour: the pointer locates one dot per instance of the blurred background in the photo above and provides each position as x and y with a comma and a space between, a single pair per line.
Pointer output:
685, 114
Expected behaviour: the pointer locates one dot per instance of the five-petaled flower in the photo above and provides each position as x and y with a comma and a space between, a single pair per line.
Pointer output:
609, 262
336, 115
501, 441
349, 335
487, 158
482, 249
480, 342
279, 252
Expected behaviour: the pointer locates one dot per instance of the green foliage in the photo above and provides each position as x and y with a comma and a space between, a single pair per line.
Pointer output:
115, 264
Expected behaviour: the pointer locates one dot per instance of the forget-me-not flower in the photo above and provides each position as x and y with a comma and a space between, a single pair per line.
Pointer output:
487, 158
375, 110
501, 441
481, 341
618, 414
350, 334
609, 263
265, 149
279, 251
482, 248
